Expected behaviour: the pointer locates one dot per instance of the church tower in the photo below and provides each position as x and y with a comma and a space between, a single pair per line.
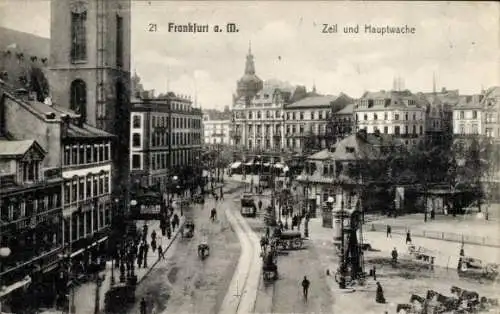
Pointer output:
90, 70
250, 84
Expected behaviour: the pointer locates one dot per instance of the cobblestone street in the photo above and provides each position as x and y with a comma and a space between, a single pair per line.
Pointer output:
185, 284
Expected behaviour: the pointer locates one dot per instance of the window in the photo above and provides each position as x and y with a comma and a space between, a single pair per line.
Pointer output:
106, 152
421, 130
89, 154
365, 117
136, 122
462, 129
30, 171
320, 115
312, 115
74, 190
397, 130
406, 129
396, 116
67, 191
88, 186
414, 129
81, 188
258, 115
78, 98
74, 155
414, 116
406, 116
375, 117
475, 129
119, 41
462, 115
78, 36
67, 155
385, 115
386, 130
301, 115
81, 155
474, 114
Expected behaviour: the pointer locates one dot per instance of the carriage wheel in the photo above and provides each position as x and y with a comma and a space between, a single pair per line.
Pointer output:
283, 244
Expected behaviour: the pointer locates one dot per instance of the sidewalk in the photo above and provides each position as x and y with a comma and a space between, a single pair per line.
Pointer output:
446, 252
397, 287
471, 229
85, 294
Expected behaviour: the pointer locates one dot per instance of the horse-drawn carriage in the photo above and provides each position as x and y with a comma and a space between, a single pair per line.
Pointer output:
269, 265
248, 207
290, 240
474, 267
188, 229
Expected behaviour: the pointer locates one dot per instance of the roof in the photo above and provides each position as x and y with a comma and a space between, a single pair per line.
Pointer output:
358, 147
349, 109
393, 99
313, 101
86, 131
17, 148
321, 155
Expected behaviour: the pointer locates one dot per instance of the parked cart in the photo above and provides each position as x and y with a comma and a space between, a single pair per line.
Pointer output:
290, 240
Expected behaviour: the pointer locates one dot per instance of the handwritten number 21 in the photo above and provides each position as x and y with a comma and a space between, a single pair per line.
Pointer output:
152, 27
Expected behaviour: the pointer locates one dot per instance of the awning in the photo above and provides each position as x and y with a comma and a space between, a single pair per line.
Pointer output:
236, 165
285, 169
7, 290
266, 164
249, 163
279, 165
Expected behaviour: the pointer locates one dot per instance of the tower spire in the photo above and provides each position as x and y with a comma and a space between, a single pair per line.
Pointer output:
434, 82
249, 65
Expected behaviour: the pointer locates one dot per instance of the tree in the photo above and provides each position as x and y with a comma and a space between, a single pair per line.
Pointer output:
39, 84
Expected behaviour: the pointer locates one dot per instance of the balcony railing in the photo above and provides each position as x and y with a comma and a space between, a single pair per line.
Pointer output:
28, 255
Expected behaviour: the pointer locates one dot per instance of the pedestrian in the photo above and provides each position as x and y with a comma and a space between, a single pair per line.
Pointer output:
145, 232
389, 232
221, 193
408, 237
394, 255
145, 257
153, 235
143, 306
305, 287
379, 296
140, 256
160, 252
176, 220
260, 205
153, 245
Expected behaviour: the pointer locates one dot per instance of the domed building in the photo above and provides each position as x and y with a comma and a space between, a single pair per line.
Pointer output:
250, 83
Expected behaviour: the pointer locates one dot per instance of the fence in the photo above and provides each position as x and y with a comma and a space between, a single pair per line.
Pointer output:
438, 235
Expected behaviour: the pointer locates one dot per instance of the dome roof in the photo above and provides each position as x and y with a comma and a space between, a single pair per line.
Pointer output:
248, 78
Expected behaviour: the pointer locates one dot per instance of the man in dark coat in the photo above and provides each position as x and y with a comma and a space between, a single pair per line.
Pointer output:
305, 287
379, 297
408, 237
143, 306
389, 231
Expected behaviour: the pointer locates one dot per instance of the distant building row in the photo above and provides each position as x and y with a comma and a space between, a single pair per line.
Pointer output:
285, 118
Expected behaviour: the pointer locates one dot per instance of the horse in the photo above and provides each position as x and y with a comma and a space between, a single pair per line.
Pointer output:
213, 214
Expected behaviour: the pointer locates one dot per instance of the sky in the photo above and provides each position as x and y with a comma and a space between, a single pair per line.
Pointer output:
457, 42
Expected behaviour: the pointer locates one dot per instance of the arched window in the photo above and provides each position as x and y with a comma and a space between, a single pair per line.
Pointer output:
78, 99
78, 36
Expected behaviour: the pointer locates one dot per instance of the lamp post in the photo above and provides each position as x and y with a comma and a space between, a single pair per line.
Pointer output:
4, 253
307, 213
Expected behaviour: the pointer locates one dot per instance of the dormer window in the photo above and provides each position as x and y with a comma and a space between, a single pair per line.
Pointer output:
349, 149
30, 170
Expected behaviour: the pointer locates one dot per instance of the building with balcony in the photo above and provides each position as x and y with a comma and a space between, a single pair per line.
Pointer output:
166, 138
399, 113
30, 221
216, 131
79, 156
468, 116
87, 205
